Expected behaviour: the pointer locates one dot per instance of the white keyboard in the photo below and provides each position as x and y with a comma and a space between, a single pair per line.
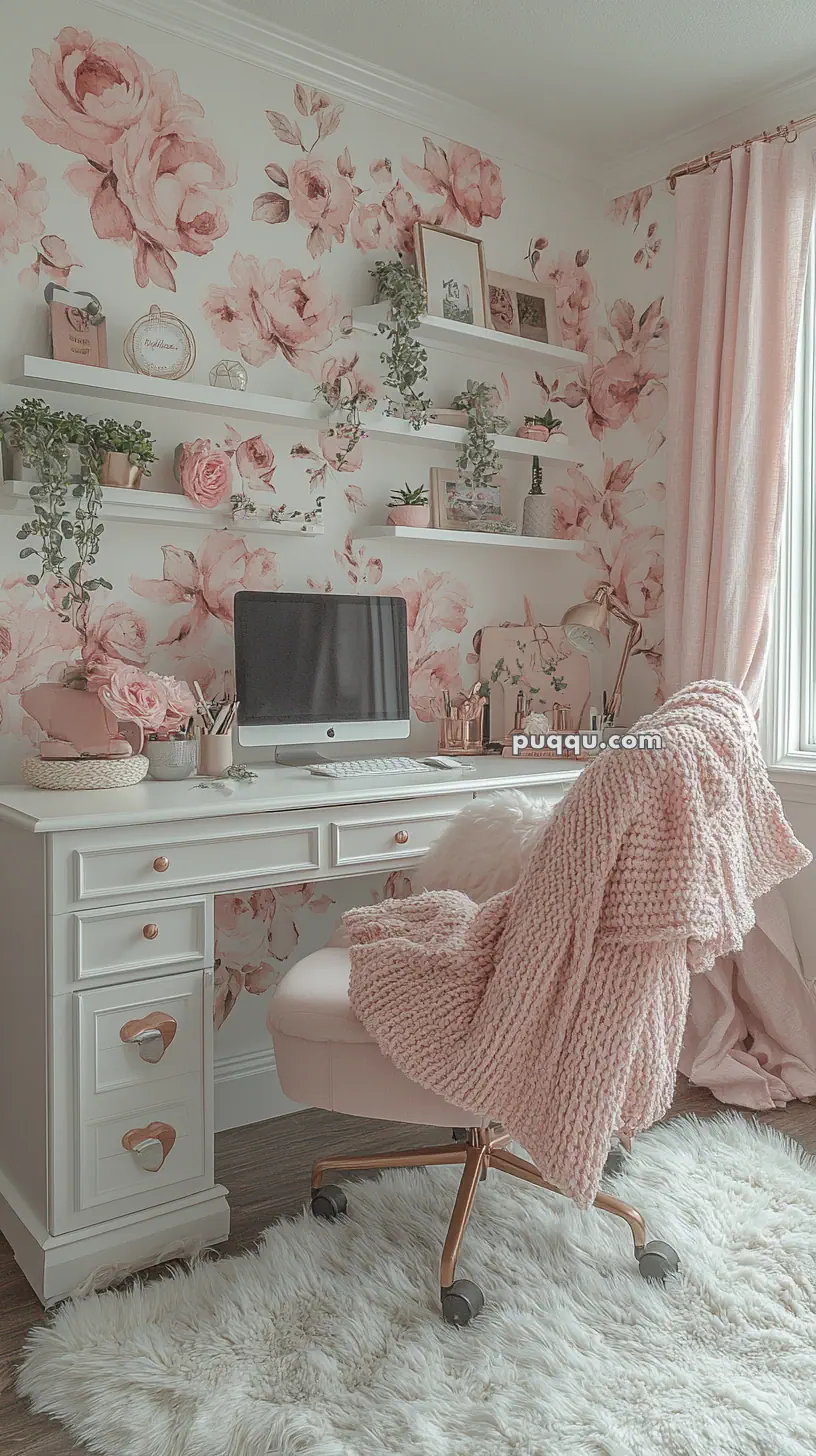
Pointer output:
352, 767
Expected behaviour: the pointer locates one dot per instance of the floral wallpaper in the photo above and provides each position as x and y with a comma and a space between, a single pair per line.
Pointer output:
254, 206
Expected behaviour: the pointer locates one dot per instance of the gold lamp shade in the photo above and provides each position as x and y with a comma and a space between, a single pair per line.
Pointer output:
587, 628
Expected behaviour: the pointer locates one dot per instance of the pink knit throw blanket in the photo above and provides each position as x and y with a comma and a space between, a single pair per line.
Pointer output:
558, 1007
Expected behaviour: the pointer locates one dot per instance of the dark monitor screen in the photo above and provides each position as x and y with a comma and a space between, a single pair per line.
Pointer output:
309, 658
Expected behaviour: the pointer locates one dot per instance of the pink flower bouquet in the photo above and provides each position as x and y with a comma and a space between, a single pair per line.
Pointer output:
162, 706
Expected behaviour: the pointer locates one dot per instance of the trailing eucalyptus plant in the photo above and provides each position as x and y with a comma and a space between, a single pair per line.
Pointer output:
406, 360
63, 540
479, 460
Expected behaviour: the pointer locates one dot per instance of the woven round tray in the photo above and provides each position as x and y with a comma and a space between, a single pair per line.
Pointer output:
85, 773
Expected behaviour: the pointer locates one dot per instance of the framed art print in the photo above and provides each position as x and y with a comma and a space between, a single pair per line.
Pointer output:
526, 309
456, 506
451, 266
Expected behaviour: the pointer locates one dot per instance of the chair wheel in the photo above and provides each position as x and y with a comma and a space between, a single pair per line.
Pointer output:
615, 1161
657, 1260
461, 1302
329, 1201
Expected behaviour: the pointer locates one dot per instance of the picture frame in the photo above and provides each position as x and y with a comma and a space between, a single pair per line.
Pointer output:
453, 507
452, 268
525, 308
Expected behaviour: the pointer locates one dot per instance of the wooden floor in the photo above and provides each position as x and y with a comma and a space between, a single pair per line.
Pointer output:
266, 1169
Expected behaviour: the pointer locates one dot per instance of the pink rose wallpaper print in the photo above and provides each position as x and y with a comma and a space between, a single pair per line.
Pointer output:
136, 166
151, 180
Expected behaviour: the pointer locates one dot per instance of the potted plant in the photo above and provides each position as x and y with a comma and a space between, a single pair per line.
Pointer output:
479, 458
540, 427
406, 360
125, 453
409, 507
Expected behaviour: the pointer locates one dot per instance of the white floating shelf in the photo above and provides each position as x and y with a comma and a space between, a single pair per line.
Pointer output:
466, 538
471, 340
180, 394
160, 508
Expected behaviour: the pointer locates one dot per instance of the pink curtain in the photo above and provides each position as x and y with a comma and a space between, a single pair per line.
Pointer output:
741, 242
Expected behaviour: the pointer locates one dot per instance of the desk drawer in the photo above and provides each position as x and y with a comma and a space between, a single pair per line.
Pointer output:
115, 864
140, 1125
114, 1054
378, 834
162, 934
143, 1155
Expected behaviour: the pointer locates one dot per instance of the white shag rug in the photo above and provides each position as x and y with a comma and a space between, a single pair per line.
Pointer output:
328, 1341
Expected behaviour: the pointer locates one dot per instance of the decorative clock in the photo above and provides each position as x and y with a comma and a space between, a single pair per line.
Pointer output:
161, 345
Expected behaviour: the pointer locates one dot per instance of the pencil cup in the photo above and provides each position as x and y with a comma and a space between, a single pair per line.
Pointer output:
214, 754
461, 735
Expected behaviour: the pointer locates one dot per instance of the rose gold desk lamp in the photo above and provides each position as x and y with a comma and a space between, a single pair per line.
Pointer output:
587, 628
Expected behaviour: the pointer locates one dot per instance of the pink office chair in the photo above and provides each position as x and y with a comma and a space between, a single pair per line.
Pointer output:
326, 1058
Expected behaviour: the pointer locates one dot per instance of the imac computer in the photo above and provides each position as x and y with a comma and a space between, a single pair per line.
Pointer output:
314, 669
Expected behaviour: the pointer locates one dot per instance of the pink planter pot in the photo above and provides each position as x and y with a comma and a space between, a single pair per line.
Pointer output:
409, 516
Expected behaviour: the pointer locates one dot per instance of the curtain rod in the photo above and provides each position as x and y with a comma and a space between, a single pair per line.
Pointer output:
789, 131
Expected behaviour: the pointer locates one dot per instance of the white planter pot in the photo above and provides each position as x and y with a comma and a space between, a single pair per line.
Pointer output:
31, 475
171, 758
537, 516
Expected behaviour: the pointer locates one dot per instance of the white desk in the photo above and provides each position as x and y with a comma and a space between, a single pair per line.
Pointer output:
106, 916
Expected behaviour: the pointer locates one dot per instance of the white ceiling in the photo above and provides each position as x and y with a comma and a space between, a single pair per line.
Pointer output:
610, 78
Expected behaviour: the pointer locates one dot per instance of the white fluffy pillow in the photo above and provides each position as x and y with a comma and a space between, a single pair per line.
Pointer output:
484, 848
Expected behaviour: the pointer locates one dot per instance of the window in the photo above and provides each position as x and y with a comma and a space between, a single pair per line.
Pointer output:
789, 709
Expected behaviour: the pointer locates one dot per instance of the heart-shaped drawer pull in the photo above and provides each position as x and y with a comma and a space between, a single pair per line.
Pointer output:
150, 1145
152, 1034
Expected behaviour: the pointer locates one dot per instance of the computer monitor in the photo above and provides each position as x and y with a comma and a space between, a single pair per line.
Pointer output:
320, 669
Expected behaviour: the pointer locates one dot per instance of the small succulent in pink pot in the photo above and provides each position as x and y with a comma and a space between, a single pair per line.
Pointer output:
409, 507
203, 472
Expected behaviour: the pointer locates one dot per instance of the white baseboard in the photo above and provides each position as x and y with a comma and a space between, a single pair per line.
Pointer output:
247, 1090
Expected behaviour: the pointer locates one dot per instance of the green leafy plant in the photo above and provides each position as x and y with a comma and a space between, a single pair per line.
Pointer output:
406, 360
409, 497
479, 459
132, 440
63, 538
548, 421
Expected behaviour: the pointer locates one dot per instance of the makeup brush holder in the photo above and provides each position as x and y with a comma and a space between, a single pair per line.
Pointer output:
458, 736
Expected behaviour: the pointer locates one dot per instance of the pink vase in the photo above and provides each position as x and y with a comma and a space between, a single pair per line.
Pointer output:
409, 516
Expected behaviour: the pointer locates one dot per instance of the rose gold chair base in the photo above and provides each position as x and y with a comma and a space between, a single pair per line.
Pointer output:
481, 1149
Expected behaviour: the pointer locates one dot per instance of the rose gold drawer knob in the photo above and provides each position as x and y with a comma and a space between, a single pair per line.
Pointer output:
161, 863
150, 1145
401, 836
150, 931
151, 1034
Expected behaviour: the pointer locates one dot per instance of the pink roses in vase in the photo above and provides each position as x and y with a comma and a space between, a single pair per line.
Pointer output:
161, 706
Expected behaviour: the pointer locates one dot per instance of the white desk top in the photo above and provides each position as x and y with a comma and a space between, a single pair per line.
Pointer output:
46, 811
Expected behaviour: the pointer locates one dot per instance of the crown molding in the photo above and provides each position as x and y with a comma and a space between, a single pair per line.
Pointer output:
226, 28
765, 111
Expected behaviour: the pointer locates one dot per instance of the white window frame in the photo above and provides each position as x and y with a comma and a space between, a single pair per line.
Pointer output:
788, 719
